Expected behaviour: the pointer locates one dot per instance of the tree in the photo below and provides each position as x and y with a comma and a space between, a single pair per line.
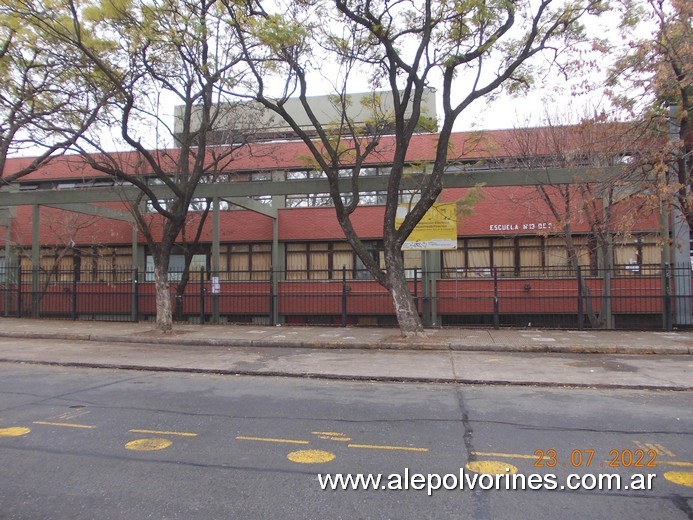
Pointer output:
49, 96
593, 143
652, 74
154, 53
470, 50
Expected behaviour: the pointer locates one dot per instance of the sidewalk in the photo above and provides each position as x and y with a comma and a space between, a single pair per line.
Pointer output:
462, 355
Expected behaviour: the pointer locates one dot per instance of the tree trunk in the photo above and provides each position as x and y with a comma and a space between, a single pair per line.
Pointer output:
405, 308
164, 321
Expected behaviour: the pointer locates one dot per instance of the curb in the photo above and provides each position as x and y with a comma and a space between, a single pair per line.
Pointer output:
340, 377
539, 348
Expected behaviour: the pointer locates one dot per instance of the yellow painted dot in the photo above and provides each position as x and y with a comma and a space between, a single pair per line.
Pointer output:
15, 431
490, 467
682, 478
148, 444
310, 456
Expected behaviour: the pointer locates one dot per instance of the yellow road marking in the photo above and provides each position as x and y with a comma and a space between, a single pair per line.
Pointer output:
267, 439
377, 447
156, 432
503, 455
335, 434
675, 463
66, 425
491, 467
682, 478
661, 448
310, 456
148, 444
333, 438
533, 457
15, 431
71, 415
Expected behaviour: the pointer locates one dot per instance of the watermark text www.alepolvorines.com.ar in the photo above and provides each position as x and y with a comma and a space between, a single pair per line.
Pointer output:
431, 482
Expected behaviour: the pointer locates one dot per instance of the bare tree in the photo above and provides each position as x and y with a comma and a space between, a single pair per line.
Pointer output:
593, 143
156, 54
652, 75
470, 50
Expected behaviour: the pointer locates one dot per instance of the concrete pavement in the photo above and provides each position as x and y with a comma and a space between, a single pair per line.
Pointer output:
613, 359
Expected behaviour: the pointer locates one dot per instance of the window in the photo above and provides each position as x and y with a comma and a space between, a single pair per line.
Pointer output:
472, 258
530, 255
504, 259
412, 261
641, 255
176, 267
247, 261
325, 261
310, 200
261, 176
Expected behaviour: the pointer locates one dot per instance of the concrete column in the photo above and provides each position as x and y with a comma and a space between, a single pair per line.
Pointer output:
35, 260
432, 268
681, 240
278, 257
216, 249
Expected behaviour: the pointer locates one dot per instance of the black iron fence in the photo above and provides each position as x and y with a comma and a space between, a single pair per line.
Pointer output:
623, 297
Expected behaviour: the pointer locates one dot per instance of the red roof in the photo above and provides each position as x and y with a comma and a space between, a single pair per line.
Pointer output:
468, 146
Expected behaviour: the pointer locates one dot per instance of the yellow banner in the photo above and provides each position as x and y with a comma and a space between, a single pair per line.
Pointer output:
436, 230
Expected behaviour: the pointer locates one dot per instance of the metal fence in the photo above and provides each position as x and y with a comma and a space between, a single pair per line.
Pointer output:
623, 297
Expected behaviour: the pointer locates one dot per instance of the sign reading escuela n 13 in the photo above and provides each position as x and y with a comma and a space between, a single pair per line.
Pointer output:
436, 230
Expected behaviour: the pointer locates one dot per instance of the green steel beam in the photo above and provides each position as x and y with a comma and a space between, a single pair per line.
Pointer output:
465, 179
252, 205
97, 211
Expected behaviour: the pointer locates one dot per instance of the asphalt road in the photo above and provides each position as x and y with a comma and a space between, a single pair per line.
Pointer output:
96, 443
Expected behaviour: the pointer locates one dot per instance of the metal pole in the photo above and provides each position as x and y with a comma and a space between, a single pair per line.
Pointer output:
496, 303
202, 295
344, 297
135, 295
19, 289
272, 314
580, 311
667, 323
416, 288
75, 274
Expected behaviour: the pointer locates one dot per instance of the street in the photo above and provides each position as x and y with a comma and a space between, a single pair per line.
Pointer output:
99, 443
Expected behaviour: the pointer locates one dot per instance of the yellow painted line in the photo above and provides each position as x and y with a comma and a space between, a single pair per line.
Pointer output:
14, 431
332, 434
675, 463
533, 457
661, 448
503, 455
66, 425
70, 416
267, 439
377, 447
156, 432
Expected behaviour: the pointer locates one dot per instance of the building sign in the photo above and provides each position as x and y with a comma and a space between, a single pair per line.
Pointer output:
436, 230
532, 226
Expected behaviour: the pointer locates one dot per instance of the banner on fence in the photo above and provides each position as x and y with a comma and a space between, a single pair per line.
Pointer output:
436, 230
